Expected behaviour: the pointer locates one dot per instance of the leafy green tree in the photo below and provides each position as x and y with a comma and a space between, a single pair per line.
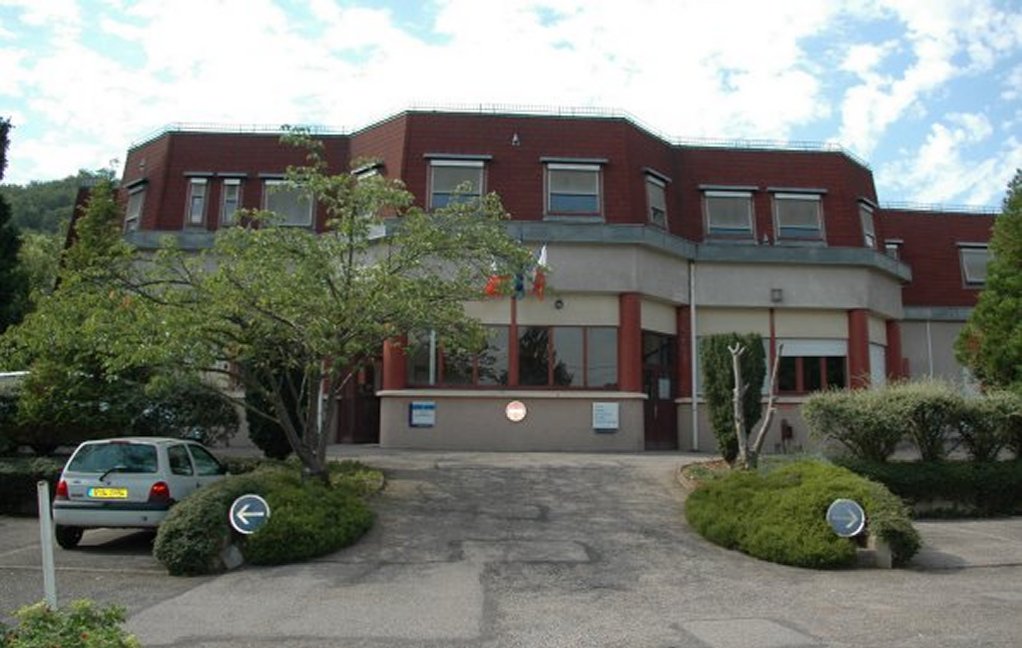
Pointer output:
990, 344
13, 280
718, 386
292, 315
44, 205
39, 257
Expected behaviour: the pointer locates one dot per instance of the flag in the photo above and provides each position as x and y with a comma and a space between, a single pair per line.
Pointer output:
495, 283
539, 274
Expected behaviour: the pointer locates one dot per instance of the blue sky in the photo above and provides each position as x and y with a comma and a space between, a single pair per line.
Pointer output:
929, 92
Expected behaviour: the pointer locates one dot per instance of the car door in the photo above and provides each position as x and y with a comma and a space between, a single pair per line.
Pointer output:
207, 468
182, 474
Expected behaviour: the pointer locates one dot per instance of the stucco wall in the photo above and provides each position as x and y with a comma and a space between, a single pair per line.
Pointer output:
788, 409
472, 421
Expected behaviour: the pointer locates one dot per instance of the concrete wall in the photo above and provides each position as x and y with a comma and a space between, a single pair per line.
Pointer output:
476, 421
788, 409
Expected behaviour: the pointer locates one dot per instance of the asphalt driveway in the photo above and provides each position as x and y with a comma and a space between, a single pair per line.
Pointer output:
569, 550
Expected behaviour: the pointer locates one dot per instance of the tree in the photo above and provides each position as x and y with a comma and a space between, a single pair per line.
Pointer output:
44, 205
719, 385
13, 280
990, 344
292, 315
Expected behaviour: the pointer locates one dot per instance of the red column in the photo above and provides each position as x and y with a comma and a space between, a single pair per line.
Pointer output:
394, 364
629, 343
858, 348
683, 373
895, 365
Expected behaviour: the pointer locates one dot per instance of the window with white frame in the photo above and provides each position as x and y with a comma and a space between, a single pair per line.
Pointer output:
230, 200
291, 205
893, 248
974, 259
133, 213
869, 235
656, 198
573, 189
196, 207
798, 217
728, 214
454, 181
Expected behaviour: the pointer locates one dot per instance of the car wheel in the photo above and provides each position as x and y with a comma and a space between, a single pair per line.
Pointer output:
68, 536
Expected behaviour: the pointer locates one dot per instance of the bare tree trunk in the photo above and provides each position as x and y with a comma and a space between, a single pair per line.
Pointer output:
736, 401
752, 459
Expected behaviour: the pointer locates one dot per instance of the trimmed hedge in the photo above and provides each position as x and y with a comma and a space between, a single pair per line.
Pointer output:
930, 414
18, 478
308, 519
781, 516
950, 488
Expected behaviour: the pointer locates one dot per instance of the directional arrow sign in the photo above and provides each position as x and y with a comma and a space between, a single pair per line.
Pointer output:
846, 517
248, 513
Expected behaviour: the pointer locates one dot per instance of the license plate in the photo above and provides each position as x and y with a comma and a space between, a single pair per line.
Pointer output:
108, 493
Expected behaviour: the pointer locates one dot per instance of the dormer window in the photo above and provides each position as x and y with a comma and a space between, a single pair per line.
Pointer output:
454, 180
573, 188
728, 214
974, 258
869, 235
656, 198
798, 217
196, 205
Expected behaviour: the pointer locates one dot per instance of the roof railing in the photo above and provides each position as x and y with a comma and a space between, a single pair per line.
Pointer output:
982, 210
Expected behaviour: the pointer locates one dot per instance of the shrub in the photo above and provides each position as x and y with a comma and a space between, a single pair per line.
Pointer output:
863, 421
18, 479
983, 425
1009, 406
781, 516
80, 625
930, 409
953, 488
719, 383
309, 518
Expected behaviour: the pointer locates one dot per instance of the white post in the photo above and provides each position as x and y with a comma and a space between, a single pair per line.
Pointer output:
694, 353
46, 541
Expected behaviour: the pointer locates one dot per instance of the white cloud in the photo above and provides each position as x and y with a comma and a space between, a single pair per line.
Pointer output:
939, 35
945, 169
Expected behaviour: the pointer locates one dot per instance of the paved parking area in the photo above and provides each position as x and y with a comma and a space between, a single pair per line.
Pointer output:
545, 550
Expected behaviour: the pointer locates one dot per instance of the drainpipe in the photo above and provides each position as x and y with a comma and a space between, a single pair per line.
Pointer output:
694, 352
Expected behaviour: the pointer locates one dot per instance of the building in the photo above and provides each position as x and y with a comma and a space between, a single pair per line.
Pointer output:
652, 244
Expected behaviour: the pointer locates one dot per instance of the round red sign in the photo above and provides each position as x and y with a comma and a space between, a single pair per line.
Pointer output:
515, 411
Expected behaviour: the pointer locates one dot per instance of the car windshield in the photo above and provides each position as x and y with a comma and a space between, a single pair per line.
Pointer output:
115, 457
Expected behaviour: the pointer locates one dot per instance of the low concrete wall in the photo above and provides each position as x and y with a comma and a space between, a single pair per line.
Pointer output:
788, 410
556, 421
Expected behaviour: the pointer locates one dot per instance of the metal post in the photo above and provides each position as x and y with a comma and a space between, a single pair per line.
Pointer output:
693, 341
46, 541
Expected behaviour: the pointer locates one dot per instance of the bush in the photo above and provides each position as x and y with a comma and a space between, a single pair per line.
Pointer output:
863, 421
18, 478
719, 383
983, 426
951, 488
781, 516
930, 410
81, 625
1009, 406
308, 519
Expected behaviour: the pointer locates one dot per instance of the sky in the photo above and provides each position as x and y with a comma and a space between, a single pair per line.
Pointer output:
927, 92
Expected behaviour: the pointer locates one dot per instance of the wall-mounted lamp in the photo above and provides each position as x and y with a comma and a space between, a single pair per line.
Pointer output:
515, 141
558, 303
776, 295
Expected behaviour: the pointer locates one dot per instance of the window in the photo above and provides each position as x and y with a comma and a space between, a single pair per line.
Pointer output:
802, 374
797, 217
231, 200
892, 247
205, 463
180, 463
656, 198
728, 214
869, 236
133, 214
567, 356
974, 259
430, 364
290, 204
573, 189
196, 206
454, 181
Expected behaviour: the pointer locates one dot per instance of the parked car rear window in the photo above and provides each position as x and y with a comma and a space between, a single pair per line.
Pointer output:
122, 457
